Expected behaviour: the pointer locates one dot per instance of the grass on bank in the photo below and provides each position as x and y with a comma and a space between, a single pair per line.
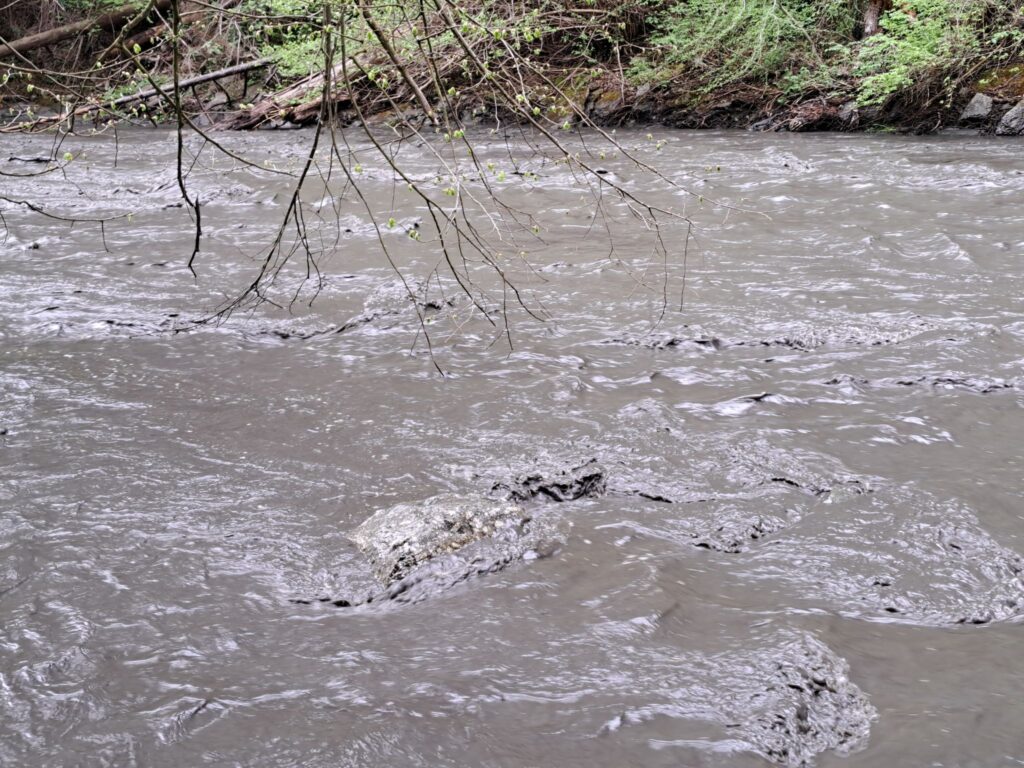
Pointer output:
925, 55
800, 48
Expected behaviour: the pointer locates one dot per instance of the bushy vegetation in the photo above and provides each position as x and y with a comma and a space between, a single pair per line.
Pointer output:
286, 31
799, 48
760, 41
937, 41
552, 55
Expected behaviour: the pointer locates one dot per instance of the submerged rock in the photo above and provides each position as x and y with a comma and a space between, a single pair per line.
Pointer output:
532, 540
398, 539
733, 532
981, 385
865, 331
668, 341
446, 564
415, 551
586, 480
730, 528
400, 300
786, 697
1012, 123
977, 110
902, 556
809, 705
805, 337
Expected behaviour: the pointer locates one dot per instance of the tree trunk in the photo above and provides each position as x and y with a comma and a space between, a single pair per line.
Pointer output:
873, 15
112, 22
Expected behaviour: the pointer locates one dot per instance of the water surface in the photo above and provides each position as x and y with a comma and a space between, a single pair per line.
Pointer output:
813, 467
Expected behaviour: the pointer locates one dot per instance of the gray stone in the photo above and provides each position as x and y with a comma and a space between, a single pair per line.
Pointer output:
398, 539
849, 114
1012, 123
977, 110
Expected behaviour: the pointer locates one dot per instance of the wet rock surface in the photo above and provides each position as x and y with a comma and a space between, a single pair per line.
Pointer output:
810, 705
791, 701
417, 551
585, 480
666, 341
1012, 123
977, 110
884, 330
981, 385
398, 539
901, 557
811, 337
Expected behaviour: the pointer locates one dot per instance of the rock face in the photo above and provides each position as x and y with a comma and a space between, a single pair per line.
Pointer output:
977, 110
1012, 123
398, 539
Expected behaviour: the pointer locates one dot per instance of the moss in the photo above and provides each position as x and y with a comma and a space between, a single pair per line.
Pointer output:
1003, 82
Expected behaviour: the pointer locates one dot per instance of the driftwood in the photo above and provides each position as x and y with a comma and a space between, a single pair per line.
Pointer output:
299, 104
237, 69
111, 22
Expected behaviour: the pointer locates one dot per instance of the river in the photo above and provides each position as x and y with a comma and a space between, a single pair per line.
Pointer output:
805, 548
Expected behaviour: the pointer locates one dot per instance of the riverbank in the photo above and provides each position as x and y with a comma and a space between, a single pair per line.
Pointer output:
915, 66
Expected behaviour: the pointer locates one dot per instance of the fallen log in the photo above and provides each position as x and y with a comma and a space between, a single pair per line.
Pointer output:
188, 82
147, 38
87, 109
111, 22
299, 103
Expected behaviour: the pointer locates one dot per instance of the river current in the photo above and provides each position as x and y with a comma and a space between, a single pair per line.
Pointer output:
805, 546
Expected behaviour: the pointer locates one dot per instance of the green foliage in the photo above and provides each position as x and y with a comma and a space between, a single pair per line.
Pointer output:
754, 40
918, 36
90, 7
289, 33
930, 40
551, 56
605, 31
803, 47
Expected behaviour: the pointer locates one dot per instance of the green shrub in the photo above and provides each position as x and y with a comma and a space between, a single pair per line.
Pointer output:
919, 36
936, 40
756, 41
289, 33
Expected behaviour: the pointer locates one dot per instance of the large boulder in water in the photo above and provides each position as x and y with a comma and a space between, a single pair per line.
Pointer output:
398, 539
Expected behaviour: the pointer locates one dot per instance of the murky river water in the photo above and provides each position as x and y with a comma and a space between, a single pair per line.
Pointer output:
806, 544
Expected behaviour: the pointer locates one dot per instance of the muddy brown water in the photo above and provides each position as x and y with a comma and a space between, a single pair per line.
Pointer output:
804, 548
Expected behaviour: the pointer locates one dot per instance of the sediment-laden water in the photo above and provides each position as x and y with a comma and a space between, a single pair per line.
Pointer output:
782, 524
